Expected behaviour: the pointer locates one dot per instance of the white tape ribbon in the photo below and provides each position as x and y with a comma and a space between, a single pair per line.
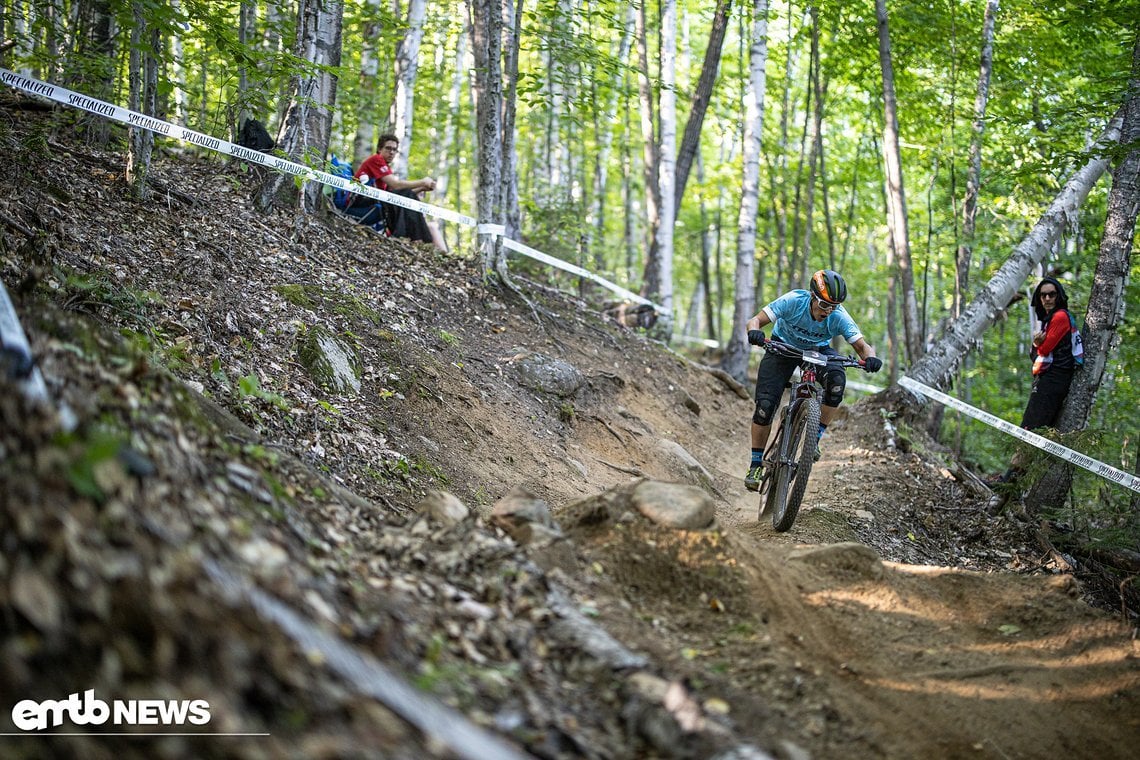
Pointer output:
14, 341
865, 387
142, 121
694, 340
526, 250
1073, 457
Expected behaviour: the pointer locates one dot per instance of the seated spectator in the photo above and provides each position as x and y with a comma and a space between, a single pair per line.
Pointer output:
376, 170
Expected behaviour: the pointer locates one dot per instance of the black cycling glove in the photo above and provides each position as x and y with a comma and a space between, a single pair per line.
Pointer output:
756, 337
872, 364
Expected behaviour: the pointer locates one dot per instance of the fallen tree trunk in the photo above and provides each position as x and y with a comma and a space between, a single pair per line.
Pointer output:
938, 366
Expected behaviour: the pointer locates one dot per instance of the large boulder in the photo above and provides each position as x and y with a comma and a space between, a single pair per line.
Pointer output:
331, 360
674, 506
547, 374
681, 464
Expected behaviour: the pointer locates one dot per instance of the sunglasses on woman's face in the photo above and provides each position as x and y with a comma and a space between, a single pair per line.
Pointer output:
1048, 294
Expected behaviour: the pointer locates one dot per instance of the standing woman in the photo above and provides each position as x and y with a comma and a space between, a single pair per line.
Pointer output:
1056, 355
1052, 354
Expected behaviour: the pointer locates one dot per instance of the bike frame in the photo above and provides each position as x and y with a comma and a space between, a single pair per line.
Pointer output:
789, 456
807, 387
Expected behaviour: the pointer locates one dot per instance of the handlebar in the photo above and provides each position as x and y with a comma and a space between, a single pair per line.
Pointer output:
811, 357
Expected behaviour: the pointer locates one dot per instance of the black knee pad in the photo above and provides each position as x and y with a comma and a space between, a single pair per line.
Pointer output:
834, 383
763, 413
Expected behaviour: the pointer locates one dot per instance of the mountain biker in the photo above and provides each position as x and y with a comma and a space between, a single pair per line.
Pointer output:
807, 320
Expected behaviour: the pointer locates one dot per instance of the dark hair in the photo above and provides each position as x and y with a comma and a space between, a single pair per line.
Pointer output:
1062, 301
386, 138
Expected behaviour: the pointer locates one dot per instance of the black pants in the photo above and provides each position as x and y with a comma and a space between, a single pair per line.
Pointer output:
1049, 391
406, 223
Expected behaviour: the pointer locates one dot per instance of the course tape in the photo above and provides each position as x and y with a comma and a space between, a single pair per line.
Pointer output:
17, 361
567, 266
1074, 457
865, 387
142, 121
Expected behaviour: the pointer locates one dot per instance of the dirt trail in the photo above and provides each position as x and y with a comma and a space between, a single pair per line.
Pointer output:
861, 656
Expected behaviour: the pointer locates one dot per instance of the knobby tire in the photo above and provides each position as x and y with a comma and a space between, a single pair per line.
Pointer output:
799, 447
775, 486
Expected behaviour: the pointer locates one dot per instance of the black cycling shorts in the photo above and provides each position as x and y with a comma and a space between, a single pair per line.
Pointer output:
773, 376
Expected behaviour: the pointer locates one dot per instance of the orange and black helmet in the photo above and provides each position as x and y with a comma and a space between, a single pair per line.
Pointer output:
829, 286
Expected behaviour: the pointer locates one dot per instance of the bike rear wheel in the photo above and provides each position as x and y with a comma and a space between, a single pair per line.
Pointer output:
792, 479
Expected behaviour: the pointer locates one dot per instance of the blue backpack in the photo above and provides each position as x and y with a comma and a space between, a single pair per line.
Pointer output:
1078, 342
341, 198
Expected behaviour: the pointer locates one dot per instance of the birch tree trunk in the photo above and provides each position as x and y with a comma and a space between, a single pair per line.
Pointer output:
896, 195
307, 124
795, 276
1106, 297
659, 274
692, 324
487, 46
780, 176
53, 24
22, 24
648, 141
974, 173
816, 140
247, 20
450, 133
407, 64
143, 77
364, 141
628, 231
510, 156
558, 175
606, 138
178, 79
275, 16
940, 363
735, 361
691, 138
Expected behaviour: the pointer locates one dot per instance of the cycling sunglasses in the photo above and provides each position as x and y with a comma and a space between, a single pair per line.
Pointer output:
825, 305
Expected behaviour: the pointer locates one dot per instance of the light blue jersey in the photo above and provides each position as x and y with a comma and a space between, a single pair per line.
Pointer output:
792, 322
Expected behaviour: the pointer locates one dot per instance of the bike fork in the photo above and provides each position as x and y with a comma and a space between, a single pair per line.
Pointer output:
775, 456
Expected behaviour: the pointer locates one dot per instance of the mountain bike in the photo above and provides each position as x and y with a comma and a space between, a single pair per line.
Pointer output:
791, 452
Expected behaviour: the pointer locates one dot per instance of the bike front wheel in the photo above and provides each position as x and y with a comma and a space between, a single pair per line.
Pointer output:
791, 479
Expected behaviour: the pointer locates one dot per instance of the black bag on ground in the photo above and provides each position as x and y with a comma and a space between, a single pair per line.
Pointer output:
254, 136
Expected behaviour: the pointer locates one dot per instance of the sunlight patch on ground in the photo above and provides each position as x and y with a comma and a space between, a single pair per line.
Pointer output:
965, 684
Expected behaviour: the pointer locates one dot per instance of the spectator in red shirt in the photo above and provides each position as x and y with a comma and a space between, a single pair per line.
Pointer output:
1053, 364
376, 170
1052, 355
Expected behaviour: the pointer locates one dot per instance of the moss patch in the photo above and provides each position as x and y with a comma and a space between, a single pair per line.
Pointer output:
314, 297
330, 359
